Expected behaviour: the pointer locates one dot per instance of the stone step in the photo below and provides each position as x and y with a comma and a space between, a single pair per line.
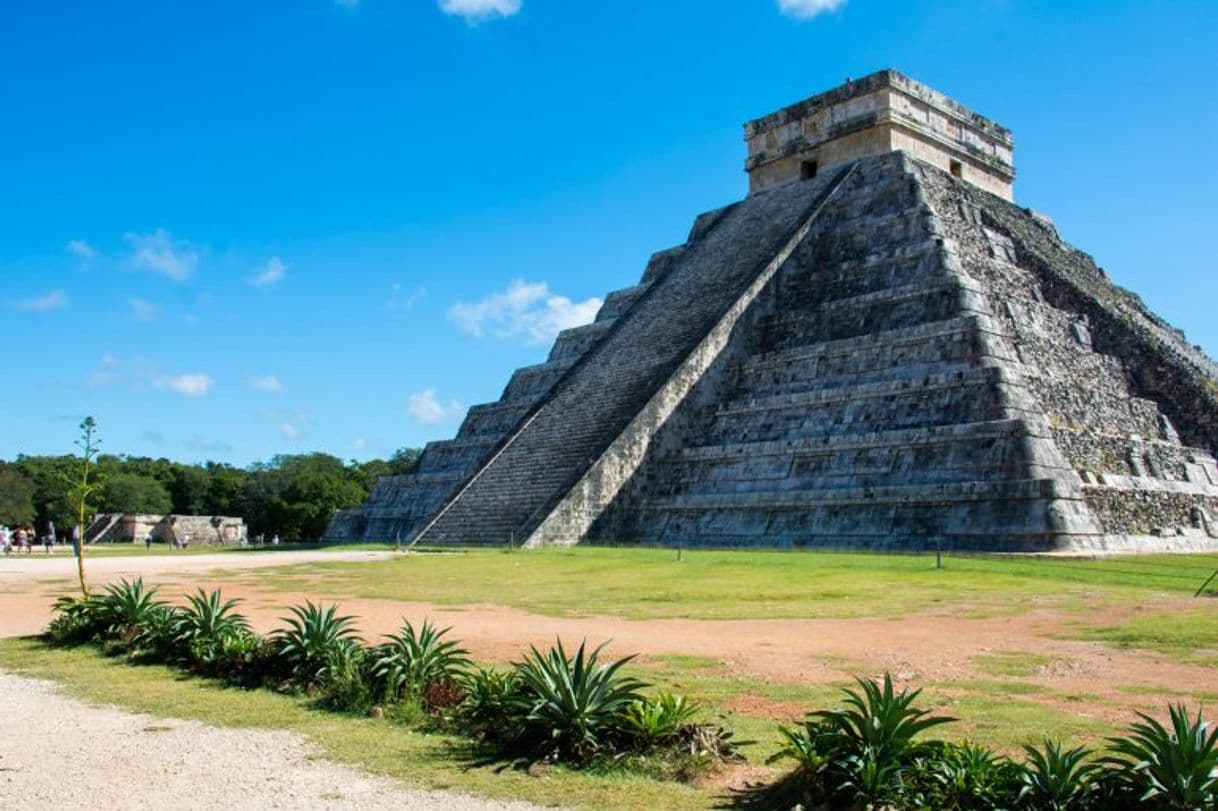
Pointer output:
867, 313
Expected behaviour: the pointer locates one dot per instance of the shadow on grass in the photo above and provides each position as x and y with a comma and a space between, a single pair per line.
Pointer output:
785, 793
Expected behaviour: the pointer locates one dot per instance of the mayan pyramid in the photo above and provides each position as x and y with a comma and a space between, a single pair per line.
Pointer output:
876, 348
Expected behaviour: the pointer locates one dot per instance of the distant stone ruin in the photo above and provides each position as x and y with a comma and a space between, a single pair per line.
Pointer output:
876, 348
202, 530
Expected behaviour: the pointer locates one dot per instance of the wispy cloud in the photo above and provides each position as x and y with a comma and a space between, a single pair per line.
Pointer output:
196, 443
143, 309
160, 253
476, 11
191, 384
81, 250
54, 300
425, 407
525, 310
269, 383
270, 274
807, 9
404, 301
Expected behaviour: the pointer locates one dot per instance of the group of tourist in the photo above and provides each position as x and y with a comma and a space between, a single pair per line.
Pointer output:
23, 538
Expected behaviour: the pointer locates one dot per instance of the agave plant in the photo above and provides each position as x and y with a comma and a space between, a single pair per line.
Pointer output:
313, 638
1172, 768
412, 663
660, 718
1057, 779
127, 604
201, 628
872, 738
573, 705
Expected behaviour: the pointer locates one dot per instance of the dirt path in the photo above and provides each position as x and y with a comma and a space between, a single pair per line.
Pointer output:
120, 760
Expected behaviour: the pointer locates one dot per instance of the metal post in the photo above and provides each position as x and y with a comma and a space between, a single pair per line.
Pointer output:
938, 553
679, 550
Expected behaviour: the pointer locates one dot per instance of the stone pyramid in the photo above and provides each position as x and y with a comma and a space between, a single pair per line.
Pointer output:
876, 348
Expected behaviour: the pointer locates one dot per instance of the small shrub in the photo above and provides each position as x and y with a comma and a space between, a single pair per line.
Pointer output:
1173, 768
314, 639
155, 637
574, 705
657, 720
419, 666
1057, 779
492, 707
345, 686
961, 777
77, 620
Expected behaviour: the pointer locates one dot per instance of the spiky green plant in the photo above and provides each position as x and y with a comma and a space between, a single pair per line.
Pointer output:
127, 604
411, 663
313, 637
656, 719
573, 704
873, 736
1174, 767
203, 625
1054, 778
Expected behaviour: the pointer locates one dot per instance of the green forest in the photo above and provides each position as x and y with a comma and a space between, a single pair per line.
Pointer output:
292, 496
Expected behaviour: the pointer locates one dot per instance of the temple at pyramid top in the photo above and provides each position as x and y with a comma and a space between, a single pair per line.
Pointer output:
880, 113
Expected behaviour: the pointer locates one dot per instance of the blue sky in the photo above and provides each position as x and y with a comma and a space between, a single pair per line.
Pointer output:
235, 229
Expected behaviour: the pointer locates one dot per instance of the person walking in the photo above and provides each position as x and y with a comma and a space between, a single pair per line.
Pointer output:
275, 540
19, 538
6, 540
148, 540
48, 540
76, 540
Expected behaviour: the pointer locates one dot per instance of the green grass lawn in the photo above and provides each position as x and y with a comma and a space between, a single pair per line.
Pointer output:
651, 583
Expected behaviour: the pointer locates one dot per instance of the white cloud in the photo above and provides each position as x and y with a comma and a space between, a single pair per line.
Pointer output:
54, 300
475, 11
527, 310
398, 301
291, 431
143, 310
426, 408
197, 443
270, 274
81, 249
194, 384
361, 443
269, 383
807, 9
160, 253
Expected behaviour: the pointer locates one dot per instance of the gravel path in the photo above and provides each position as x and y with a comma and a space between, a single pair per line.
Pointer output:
106, 758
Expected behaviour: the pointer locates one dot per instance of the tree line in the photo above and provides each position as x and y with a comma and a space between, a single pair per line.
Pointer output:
293, 496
